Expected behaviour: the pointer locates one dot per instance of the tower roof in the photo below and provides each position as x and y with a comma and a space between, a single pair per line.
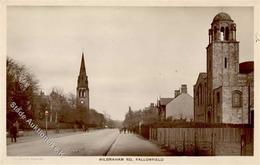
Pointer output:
222, 17
82, 66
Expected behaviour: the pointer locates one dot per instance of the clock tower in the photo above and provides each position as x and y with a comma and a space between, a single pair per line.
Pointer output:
82, 87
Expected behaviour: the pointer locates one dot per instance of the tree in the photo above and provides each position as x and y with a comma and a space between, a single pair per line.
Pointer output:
21, 89
72, 100
147, 116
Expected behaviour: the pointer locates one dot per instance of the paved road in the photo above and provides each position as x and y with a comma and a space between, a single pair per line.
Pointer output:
96, 143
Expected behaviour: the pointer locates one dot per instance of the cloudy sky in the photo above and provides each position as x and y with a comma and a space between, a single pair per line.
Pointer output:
133, 54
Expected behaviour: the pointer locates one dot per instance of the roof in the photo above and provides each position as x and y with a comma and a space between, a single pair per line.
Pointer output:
165, 101
202, 75
222, 17
181, 107
246, 67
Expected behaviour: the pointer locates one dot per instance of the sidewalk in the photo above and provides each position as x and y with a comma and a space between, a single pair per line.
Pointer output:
135, 145
35, 136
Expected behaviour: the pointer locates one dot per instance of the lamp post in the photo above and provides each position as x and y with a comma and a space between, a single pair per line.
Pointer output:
46, 121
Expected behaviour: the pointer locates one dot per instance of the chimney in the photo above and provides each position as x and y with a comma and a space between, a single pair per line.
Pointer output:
176, 93
184, 88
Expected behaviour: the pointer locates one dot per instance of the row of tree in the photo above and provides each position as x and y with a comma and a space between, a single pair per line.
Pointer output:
134, 119
23, 89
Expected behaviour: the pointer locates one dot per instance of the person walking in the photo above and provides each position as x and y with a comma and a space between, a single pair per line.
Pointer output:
13, 133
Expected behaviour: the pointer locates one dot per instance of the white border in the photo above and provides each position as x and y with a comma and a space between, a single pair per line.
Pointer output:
94, 159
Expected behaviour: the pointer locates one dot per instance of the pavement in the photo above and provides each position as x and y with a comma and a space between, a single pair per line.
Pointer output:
135, 145
30, 138
105, 142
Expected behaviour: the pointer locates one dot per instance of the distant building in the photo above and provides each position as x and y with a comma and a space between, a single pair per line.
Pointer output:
181, 107
82, 96
150, 114
161, 105
225, 93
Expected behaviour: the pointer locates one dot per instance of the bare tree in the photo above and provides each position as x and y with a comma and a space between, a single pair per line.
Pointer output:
72, 100
21, 89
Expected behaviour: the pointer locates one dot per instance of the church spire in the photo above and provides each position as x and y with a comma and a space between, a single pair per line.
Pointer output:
82, 87
82, 66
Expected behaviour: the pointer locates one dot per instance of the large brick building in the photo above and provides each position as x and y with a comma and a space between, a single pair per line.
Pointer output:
225, 93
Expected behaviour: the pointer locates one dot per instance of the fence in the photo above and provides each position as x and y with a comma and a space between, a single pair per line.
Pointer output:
204, 141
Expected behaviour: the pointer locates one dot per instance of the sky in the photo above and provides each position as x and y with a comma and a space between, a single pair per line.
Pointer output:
133, 55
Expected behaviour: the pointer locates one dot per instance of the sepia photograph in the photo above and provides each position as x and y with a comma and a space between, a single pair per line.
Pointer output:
125, 83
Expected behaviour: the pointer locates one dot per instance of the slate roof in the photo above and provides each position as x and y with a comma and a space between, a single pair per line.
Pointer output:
165, 101
183, 104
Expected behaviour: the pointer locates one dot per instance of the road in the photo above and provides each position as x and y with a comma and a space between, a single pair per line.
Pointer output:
105, 142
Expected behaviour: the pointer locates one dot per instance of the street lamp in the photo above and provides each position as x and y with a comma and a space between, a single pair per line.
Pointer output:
46, 121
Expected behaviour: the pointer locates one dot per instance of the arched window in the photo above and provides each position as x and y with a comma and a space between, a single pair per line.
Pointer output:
227, 34
200, 95
237, 98
222, 33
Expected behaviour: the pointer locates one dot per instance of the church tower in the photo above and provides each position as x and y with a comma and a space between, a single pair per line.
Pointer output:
222, 67
82, 87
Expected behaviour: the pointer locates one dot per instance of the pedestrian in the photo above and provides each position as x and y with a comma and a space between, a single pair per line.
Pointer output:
13, 133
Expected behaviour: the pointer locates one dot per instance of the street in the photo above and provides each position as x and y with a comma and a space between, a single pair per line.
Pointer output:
105, 142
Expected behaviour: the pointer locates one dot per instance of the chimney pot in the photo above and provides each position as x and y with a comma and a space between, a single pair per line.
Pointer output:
184, 88
176, 93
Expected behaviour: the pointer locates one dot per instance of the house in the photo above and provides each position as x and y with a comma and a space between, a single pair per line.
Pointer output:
181, 107
161, 105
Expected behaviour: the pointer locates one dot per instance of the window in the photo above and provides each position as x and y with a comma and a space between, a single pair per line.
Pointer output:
218, 98
236, 98
200, 94
227, 34
225, 62
222, 33
197, 93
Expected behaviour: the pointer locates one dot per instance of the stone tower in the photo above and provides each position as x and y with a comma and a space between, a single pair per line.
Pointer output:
222, 67
82, 87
